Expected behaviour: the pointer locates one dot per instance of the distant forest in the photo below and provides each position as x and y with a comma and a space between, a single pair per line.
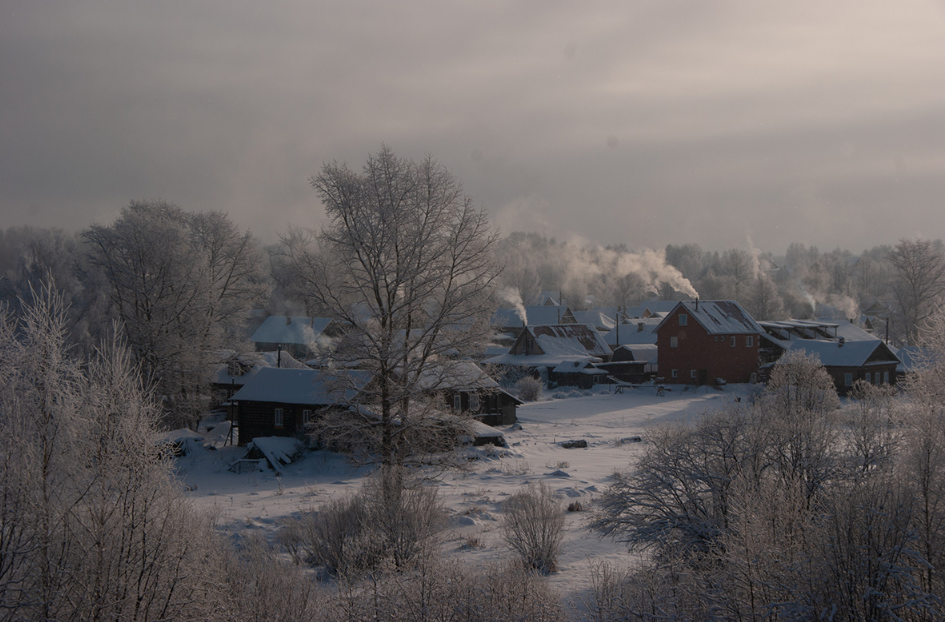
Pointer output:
902, 282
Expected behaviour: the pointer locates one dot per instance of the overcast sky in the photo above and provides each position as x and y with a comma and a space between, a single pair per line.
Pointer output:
636, 122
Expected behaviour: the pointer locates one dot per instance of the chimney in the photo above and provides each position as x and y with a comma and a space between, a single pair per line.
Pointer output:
840, 342
288, 320
639, 327
697, 304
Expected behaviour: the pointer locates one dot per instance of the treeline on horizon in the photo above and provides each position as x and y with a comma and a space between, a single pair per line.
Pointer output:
804, 283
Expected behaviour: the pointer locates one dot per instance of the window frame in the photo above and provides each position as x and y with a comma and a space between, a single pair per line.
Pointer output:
278, 416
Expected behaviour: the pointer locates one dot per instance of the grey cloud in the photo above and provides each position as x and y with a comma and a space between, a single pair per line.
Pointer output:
641, 122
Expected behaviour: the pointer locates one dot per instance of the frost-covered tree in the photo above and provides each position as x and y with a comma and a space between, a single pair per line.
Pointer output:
406, 261
919, 283
181, 284
92, 524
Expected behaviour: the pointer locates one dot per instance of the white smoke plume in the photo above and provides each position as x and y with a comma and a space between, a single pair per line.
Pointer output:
584, 263
512, 295
755, 252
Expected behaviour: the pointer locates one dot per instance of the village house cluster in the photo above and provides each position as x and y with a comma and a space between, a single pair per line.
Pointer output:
664, 344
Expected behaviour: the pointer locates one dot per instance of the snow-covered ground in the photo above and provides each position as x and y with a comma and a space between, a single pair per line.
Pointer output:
261, 499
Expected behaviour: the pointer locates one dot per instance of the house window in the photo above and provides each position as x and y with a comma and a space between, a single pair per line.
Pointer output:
869, 378
458, 402
749, 341
848, 380
683, 319
474, 402
885, 377
675, 373
674, 342
306, 416
278, 418
733, 340
693, 374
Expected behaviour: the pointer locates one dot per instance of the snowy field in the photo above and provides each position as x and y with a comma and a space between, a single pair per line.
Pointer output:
261, 500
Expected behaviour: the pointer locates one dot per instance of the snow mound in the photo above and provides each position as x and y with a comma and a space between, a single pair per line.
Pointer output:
278, 450
217, 435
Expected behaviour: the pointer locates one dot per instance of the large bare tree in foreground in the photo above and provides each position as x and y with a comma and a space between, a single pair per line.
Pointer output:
406, 260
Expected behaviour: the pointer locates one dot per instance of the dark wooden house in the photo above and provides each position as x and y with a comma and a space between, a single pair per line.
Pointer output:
466, 389
282, 402
632, 363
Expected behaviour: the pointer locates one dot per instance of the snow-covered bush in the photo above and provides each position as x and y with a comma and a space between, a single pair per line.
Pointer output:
529, 388
533, 526
393, 519
442, 589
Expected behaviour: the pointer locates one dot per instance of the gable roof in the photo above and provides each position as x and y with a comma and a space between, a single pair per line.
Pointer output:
597, 319
290, 329
536, 315
248, 364
555, 344
632, 333
718, 317
645, 353
849, 354
456, 375
567, 339
302, 386
784, 332
651, 307
548, 297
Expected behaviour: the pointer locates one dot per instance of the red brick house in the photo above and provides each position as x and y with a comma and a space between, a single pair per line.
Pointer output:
708, 342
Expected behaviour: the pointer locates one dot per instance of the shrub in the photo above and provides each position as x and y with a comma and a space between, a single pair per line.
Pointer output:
529, 388
393, 519
533, 526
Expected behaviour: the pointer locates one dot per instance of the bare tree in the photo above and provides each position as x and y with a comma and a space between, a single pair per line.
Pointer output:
181, 285
739, 265
93, 525
406, 261
763, 301
533, 526
919, 283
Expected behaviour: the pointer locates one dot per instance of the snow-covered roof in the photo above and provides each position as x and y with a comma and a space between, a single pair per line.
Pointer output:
250, 363
577, 367
456, 375
632, 333
849, 354
290, 329
537, 315
548, 297
565, 339
719, 317
535, 360
302, 386
641, 352
784, 332
651, 307
598, 320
